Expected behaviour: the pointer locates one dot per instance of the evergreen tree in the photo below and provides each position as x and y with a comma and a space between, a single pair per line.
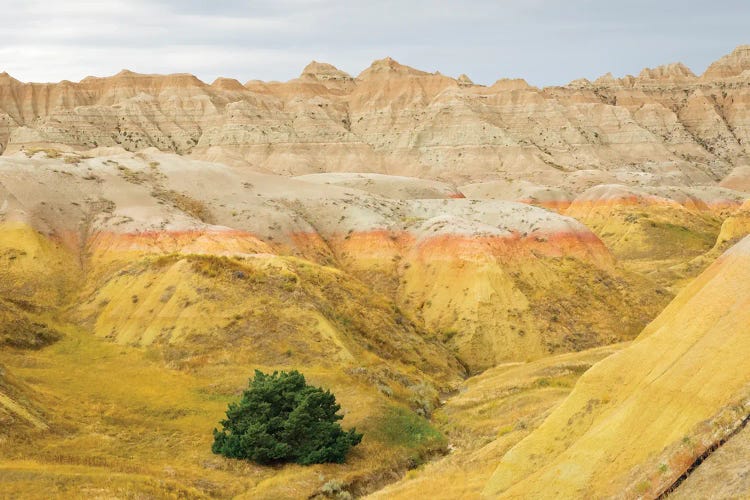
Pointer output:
282, 419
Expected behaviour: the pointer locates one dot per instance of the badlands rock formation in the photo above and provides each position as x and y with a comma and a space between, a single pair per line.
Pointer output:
494, 280
152, 270
665, 126
447, 257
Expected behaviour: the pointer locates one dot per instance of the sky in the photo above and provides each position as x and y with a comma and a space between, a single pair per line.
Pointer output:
547, 42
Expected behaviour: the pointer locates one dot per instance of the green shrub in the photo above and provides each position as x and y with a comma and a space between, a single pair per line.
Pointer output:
401, 427
282, 419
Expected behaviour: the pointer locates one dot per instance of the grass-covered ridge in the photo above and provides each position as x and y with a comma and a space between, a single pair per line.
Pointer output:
152, 348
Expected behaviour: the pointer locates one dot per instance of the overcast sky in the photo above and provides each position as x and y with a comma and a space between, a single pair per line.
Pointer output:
545, 41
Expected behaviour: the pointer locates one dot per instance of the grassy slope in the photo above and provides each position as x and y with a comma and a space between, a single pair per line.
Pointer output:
639, 418
490, 413
491, 312
656, 241
135, 415
130, 410
122, 423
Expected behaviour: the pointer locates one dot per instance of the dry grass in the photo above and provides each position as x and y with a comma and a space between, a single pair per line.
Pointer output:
656, 241
491, 413
20, 330
181, 201
121, 423
50, 153
133, 176
132, 418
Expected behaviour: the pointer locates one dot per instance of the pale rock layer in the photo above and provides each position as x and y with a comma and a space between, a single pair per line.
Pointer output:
673, 127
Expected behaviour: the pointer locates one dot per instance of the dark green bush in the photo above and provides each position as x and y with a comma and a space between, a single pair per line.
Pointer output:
282, 419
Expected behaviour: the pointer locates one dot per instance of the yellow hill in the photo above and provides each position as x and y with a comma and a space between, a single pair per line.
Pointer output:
490, 413
637, 420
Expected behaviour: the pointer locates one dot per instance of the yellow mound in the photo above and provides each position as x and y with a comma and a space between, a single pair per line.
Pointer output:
34, 268
490, 311
494, 280
649, 229
274, 309
636, 420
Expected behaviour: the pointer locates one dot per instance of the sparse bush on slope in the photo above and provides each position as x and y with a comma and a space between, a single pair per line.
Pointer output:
19, 330
282, 419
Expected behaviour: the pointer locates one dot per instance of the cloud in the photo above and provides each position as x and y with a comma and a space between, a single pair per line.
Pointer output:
545, 41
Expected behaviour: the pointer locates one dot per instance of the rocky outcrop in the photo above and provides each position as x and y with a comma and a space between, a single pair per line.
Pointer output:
675, 72
494, 280
731, 65
399, 120
324, 72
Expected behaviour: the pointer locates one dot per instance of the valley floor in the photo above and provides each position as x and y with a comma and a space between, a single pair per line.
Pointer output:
120, 423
